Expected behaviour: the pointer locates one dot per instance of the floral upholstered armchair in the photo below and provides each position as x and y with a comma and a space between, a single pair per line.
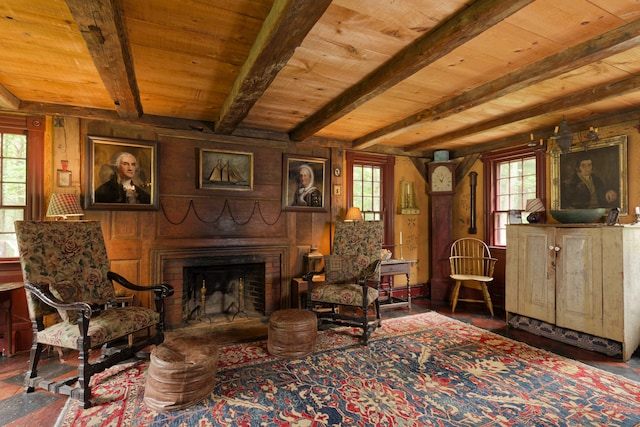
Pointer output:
66, 269
352, 277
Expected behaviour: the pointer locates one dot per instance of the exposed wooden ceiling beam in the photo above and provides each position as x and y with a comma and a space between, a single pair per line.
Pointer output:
590, 51
464, 26
39, 108
103, 29
283, 31
584, 97
8, 99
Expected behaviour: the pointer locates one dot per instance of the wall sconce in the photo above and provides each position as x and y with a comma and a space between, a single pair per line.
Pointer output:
408, 199
563, 136
538, 146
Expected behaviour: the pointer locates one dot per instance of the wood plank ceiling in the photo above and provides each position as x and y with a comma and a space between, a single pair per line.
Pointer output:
405, 77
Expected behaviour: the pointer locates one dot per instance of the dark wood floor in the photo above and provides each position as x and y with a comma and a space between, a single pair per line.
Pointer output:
42, 408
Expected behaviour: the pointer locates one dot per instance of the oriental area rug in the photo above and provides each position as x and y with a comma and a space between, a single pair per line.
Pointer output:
422, 370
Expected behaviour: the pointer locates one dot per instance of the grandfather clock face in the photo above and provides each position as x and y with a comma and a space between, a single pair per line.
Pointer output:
441, 180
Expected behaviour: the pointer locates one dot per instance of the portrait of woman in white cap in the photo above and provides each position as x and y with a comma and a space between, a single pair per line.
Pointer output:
307, 194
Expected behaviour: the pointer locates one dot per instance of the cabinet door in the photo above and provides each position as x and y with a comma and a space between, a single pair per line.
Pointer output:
579, 279
531, 278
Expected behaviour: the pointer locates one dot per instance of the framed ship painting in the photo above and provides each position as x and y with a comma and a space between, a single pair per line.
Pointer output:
225, 170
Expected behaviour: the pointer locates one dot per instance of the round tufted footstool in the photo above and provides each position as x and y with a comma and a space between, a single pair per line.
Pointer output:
181, 373
292, 333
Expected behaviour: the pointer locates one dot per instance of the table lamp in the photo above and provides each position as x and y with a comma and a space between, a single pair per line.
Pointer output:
64, 205
534, 207
353, 214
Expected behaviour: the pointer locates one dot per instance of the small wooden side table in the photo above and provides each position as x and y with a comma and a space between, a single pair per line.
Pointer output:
392, 268
6, 306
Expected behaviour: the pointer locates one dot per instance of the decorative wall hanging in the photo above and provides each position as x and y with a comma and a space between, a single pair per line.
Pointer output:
121, 174
603, 167
225, 170
305, 183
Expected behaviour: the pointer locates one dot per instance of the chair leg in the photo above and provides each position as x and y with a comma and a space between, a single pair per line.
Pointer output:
454, 296
487, 298
32, 372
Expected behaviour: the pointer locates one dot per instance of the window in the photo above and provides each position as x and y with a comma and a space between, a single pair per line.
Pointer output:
13, 189
370, 188
20, 176
367, 191
512, 177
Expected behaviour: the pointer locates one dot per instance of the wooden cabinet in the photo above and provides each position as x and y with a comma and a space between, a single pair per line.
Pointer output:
583, 278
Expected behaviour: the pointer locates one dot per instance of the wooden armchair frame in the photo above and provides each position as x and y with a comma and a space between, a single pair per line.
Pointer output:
88, 325
352, 279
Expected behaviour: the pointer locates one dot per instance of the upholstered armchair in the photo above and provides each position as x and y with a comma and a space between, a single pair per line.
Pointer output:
66, 269
352, 277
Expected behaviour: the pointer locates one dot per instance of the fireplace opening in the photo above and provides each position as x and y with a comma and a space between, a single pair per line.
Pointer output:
223, 293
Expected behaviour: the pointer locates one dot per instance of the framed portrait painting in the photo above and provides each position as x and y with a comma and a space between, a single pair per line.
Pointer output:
305, 183
595, 177
121, 174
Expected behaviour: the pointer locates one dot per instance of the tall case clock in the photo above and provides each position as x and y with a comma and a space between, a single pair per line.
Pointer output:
441, 188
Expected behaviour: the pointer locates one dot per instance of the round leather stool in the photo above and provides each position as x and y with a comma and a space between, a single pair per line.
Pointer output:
181, 373
292, 333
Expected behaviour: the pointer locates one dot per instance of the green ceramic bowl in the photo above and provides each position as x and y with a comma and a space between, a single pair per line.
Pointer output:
578, 216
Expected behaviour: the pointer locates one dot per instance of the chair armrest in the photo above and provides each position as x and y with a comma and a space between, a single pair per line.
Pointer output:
310, 275
162, 290
43, 293
371, 273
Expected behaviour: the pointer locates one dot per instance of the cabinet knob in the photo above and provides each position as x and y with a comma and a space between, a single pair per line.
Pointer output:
550, 247
557, 249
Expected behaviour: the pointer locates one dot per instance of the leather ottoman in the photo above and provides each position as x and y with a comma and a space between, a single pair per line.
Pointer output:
181, 373
292, 333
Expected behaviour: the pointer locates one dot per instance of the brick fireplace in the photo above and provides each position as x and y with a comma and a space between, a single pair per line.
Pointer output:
223, 268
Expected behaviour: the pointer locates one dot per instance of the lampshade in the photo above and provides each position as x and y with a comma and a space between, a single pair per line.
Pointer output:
64, 205
534, 205
353, 214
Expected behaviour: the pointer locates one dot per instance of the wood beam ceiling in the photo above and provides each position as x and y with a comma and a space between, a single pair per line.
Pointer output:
103, 29
596, 49
584, 97
466, 25
283, 31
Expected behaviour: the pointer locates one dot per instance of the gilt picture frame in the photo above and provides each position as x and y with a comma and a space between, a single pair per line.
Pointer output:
608, 159
305, 183
225, 170
120, 174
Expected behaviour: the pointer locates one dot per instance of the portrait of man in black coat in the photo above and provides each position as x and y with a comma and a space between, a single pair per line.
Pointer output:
585, 189
121, 187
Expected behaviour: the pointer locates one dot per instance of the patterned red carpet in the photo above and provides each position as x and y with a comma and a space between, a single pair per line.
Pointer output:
422, 370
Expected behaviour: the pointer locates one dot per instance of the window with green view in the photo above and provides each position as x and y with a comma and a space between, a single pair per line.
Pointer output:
13, 189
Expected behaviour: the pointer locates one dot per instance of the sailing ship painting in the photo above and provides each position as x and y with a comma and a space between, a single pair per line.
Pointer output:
228, 170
